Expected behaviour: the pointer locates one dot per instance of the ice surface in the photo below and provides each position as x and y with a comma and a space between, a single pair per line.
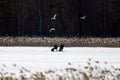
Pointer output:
41, 58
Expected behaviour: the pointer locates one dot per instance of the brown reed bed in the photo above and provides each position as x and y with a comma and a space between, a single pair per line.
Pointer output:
70, 42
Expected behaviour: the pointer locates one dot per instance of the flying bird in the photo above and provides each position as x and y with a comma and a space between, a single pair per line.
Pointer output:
52, 29
54, 17
83, 17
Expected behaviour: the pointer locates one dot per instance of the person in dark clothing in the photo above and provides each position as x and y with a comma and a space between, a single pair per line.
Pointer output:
55, 47
61, 47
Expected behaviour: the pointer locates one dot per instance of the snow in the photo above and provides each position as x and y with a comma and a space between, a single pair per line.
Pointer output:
13, 60
41, 58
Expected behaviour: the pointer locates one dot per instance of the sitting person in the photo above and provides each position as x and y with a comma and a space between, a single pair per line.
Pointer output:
61, 47
54, 48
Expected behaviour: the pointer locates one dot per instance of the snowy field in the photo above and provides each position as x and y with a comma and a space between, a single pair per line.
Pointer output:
37, 59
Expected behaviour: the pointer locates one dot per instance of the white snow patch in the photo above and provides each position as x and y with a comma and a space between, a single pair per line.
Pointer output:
41, 58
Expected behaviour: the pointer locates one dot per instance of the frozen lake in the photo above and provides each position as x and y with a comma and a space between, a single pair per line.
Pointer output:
41, 58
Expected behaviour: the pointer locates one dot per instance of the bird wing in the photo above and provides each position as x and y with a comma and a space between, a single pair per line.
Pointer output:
55, 15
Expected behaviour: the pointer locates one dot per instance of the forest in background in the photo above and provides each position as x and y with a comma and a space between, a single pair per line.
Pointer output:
33, 17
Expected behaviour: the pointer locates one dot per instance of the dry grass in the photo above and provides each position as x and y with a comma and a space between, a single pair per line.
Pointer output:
47, 41
92, 72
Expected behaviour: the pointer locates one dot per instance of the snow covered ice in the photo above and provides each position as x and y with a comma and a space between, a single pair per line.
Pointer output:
41, 58
33, 57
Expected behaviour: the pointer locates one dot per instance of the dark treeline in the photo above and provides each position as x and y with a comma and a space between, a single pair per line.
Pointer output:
33, 17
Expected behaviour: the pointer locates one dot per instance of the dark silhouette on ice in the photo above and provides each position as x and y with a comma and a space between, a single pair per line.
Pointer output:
55, 47
61, 47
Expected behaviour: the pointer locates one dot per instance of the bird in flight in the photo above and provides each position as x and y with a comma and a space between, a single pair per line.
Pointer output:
52, 29
83, 17
54, 17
